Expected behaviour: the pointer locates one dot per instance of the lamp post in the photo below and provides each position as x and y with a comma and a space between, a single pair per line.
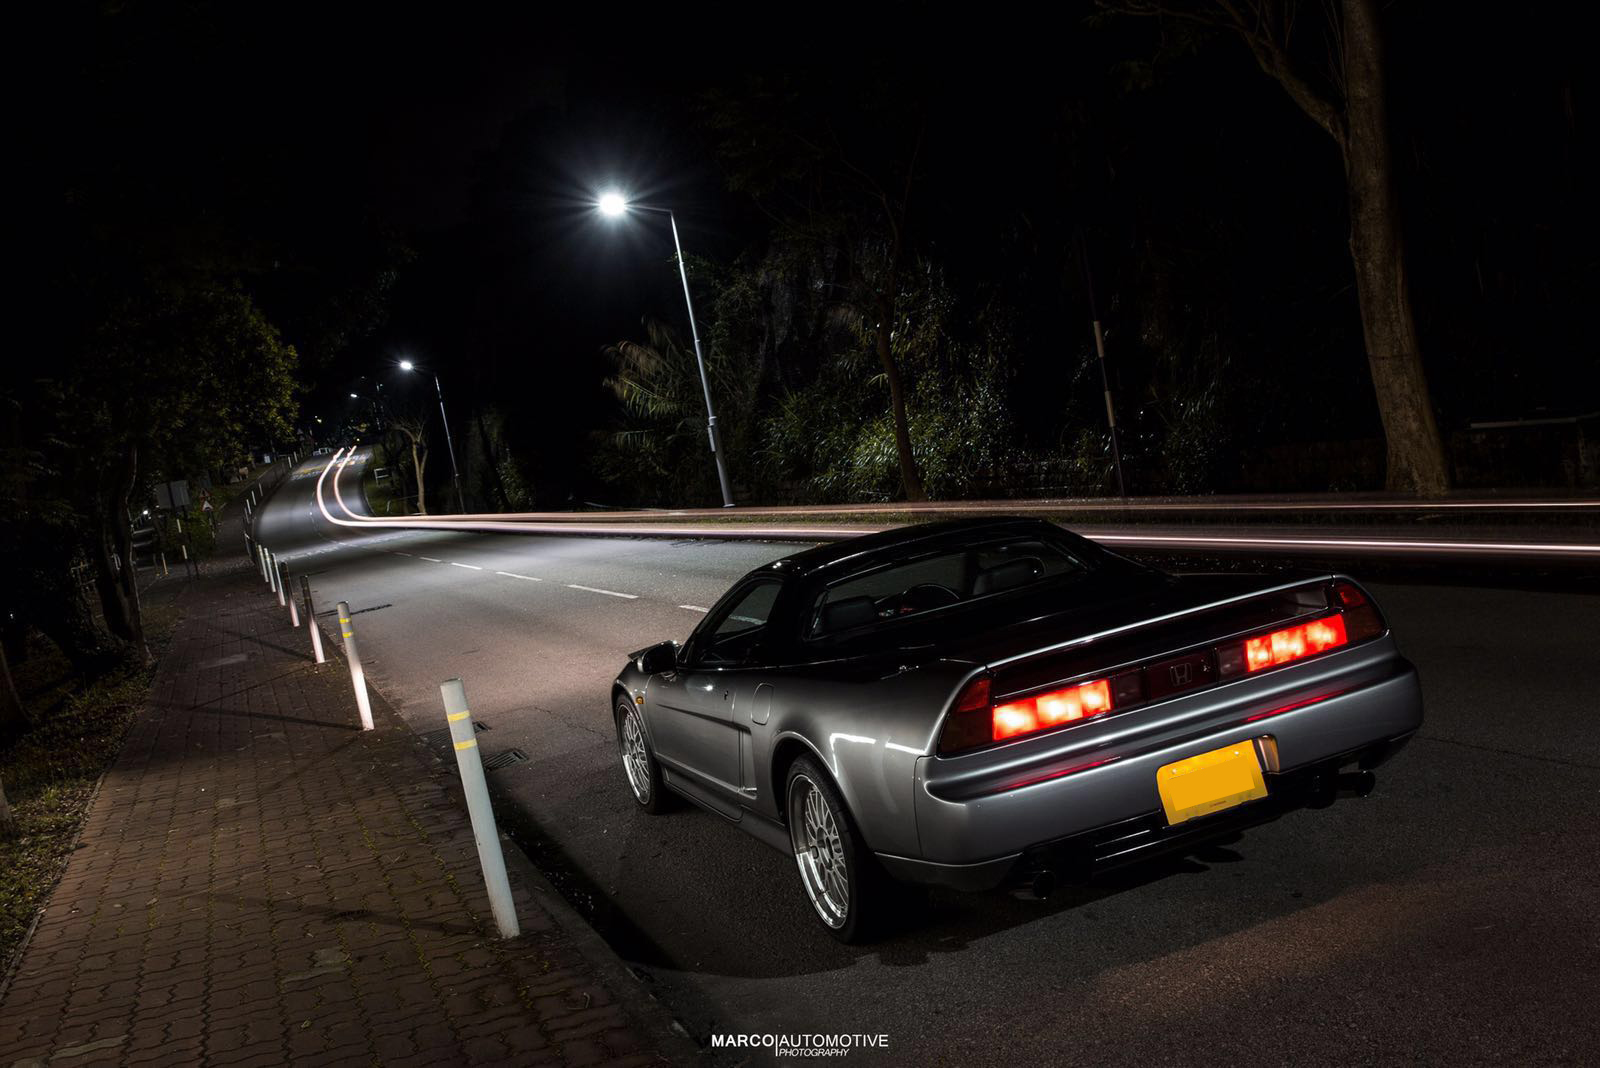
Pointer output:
455, 473
614, 204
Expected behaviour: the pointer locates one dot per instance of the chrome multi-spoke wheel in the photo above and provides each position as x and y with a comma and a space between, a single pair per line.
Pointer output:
820, 850
635, 761
638, 763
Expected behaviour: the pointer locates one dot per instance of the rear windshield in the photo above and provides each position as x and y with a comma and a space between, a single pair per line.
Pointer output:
933, 581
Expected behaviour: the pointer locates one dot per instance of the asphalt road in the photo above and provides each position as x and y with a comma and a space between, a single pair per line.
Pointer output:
1452, 915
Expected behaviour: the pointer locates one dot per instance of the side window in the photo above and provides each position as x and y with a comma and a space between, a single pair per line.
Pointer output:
734, 633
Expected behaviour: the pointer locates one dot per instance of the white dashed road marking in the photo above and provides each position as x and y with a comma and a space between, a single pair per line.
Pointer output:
693, 608
469, 567
430, 559
608, 593
524, 578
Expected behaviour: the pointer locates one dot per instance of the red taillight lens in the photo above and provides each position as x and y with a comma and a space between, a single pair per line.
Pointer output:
1054, 709
975, 698
967, 725
974, 721
1361, 619
1292, 643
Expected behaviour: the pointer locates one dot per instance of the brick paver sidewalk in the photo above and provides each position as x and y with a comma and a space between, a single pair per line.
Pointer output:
260, 882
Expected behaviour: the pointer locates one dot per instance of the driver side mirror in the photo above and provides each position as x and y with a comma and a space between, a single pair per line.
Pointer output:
658, 658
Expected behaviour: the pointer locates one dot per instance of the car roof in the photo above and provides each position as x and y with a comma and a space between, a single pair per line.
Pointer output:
869, 549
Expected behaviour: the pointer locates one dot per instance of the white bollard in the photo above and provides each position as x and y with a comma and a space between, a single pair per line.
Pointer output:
272, 571
281, 574
470, 763
294, 610
261, 560
311, 621
358, 677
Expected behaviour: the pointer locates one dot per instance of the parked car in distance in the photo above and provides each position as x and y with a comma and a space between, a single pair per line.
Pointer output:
993, 701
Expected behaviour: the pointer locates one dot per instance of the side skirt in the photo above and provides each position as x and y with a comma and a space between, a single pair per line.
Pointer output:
769, 831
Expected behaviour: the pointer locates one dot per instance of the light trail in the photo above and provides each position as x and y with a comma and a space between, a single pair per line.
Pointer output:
1276, 543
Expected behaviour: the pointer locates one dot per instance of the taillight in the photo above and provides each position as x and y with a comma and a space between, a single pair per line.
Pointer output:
968, 725
1292, 643
1361, 619
1054, 709
1356, 619
975, 721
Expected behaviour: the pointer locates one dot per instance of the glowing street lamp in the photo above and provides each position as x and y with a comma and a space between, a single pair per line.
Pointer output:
614, 204
455, 474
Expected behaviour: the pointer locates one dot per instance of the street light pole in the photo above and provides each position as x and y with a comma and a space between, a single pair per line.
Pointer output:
705, 383
455, 473
614, 204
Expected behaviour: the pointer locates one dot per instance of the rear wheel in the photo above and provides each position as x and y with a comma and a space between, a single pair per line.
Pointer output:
838, 875
638, 762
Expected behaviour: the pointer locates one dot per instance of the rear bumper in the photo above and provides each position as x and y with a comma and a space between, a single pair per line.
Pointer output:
1085, 791
1079, 856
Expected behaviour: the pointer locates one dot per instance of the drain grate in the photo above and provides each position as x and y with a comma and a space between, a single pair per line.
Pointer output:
504, 759
440, 739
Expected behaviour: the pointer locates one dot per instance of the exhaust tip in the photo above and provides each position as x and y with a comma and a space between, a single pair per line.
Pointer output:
1044, 884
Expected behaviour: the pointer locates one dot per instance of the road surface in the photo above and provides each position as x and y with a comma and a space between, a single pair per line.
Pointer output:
1452, 915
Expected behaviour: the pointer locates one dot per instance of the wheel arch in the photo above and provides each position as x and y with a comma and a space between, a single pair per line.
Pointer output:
785, 752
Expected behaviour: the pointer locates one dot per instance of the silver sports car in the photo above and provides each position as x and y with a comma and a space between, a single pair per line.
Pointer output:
990, 701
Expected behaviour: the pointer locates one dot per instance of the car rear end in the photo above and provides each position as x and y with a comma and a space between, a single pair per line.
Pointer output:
1149, 736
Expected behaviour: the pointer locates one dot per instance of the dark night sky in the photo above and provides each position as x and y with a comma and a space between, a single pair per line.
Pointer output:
474, 135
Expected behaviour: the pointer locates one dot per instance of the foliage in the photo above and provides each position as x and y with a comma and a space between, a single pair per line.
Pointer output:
163, 375
662, 447
835, 440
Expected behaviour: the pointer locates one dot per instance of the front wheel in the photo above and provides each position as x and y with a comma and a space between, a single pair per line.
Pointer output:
839, 876
638, 762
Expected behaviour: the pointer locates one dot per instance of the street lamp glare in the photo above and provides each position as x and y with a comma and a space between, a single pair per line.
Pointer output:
354, 397
407, 365
612, 204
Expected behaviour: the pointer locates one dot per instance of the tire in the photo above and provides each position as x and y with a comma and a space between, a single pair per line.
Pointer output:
639, 768
839, 876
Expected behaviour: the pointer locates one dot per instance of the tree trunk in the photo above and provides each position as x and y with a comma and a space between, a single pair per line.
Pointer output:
493, 461
418, 459
1416, 458
8, 821
111, 551
12, 716
910, 478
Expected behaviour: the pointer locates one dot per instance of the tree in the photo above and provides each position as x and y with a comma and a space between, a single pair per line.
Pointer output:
850, 200
413, 426
175, 377
1349, 105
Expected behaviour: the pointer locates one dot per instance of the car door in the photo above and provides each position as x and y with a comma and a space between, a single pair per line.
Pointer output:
694, 727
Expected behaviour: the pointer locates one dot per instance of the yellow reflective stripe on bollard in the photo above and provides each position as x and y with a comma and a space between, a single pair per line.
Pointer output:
457, 717
468, 744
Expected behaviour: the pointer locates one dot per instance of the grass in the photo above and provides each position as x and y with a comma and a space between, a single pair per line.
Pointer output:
386, 497
51, 771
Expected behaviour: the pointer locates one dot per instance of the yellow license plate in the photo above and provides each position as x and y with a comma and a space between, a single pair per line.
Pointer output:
1210, 782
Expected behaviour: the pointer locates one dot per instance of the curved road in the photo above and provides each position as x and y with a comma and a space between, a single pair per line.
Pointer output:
1454, 914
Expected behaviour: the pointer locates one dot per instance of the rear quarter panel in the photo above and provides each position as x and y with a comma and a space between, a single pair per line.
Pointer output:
868, 729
